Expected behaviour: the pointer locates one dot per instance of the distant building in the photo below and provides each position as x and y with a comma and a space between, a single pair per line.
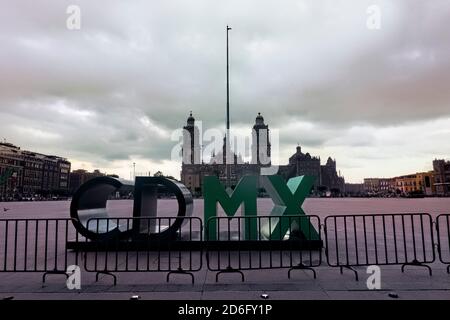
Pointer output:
302, 164
330, 178
192, 172
416, 183
442, 177
26, 173
379, 186
428, 183
327, 178
11, 170
372, 185
80, 176
420, 182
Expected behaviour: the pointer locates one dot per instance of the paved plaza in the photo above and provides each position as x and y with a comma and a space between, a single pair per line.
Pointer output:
414, 283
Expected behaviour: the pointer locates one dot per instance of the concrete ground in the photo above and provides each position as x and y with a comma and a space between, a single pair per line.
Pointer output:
414, 283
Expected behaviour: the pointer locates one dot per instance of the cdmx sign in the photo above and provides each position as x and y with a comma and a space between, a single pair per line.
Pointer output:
90, 203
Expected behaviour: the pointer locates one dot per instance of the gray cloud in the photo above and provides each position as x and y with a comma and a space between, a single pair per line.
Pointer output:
116, 89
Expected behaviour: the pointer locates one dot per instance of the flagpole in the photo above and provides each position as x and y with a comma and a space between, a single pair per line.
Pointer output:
227, 134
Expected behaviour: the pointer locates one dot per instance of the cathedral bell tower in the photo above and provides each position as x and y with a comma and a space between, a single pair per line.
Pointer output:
191, 145
260, 142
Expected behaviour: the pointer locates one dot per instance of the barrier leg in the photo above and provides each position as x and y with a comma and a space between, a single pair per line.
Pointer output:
418, 264
44, 276
180, 271
350, 268
106, 273
301, 266
229, 269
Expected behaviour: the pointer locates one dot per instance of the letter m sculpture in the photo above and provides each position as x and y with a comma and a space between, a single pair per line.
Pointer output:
245, 193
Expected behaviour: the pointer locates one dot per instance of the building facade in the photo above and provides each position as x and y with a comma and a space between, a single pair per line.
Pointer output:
379, 186
302, 164
26, 174
11, 170
192, 173
417, 183
330, 179
327, 180
441, 170
80, 176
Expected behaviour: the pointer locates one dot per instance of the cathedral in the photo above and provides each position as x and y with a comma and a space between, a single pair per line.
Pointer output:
194, 169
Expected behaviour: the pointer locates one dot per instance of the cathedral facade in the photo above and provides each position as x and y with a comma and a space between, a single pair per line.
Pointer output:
193, 168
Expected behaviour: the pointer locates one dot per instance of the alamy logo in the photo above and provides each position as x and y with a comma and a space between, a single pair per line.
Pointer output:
73, 21
374, 280
74, 277
373, 21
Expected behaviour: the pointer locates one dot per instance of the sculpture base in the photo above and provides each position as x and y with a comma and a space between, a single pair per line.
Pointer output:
183, 245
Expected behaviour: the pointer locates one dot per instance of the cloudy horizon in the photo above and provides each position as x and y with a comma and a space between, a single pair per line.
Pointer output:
112, 93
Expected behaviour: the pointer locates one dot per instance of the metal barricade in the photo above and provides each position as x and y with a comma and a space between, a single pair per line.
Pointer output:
232, 252
36, 245
44, 245
148, 249
443, 238
379, 239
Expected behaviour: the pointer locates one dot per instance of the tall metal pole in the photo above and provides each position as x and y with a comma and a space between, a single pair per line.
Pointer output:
228, 86
227, 134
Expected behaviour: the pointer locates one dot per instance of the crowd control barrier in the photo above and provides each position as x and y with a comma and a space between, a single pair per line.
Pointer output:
278, 243
379, 239
37, 245
50, 246
443, 239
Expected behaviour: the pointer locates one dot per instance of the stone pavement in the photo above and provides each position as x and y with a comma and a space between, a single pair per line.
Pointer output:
414, 283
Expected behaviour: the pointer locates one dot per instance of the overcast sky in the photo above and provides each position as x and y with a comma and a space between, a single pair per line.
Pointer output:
111, 93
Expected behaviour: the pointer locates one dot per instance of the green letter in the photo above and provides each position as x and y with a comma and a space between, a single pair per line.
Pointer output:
288, 200
245, 192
